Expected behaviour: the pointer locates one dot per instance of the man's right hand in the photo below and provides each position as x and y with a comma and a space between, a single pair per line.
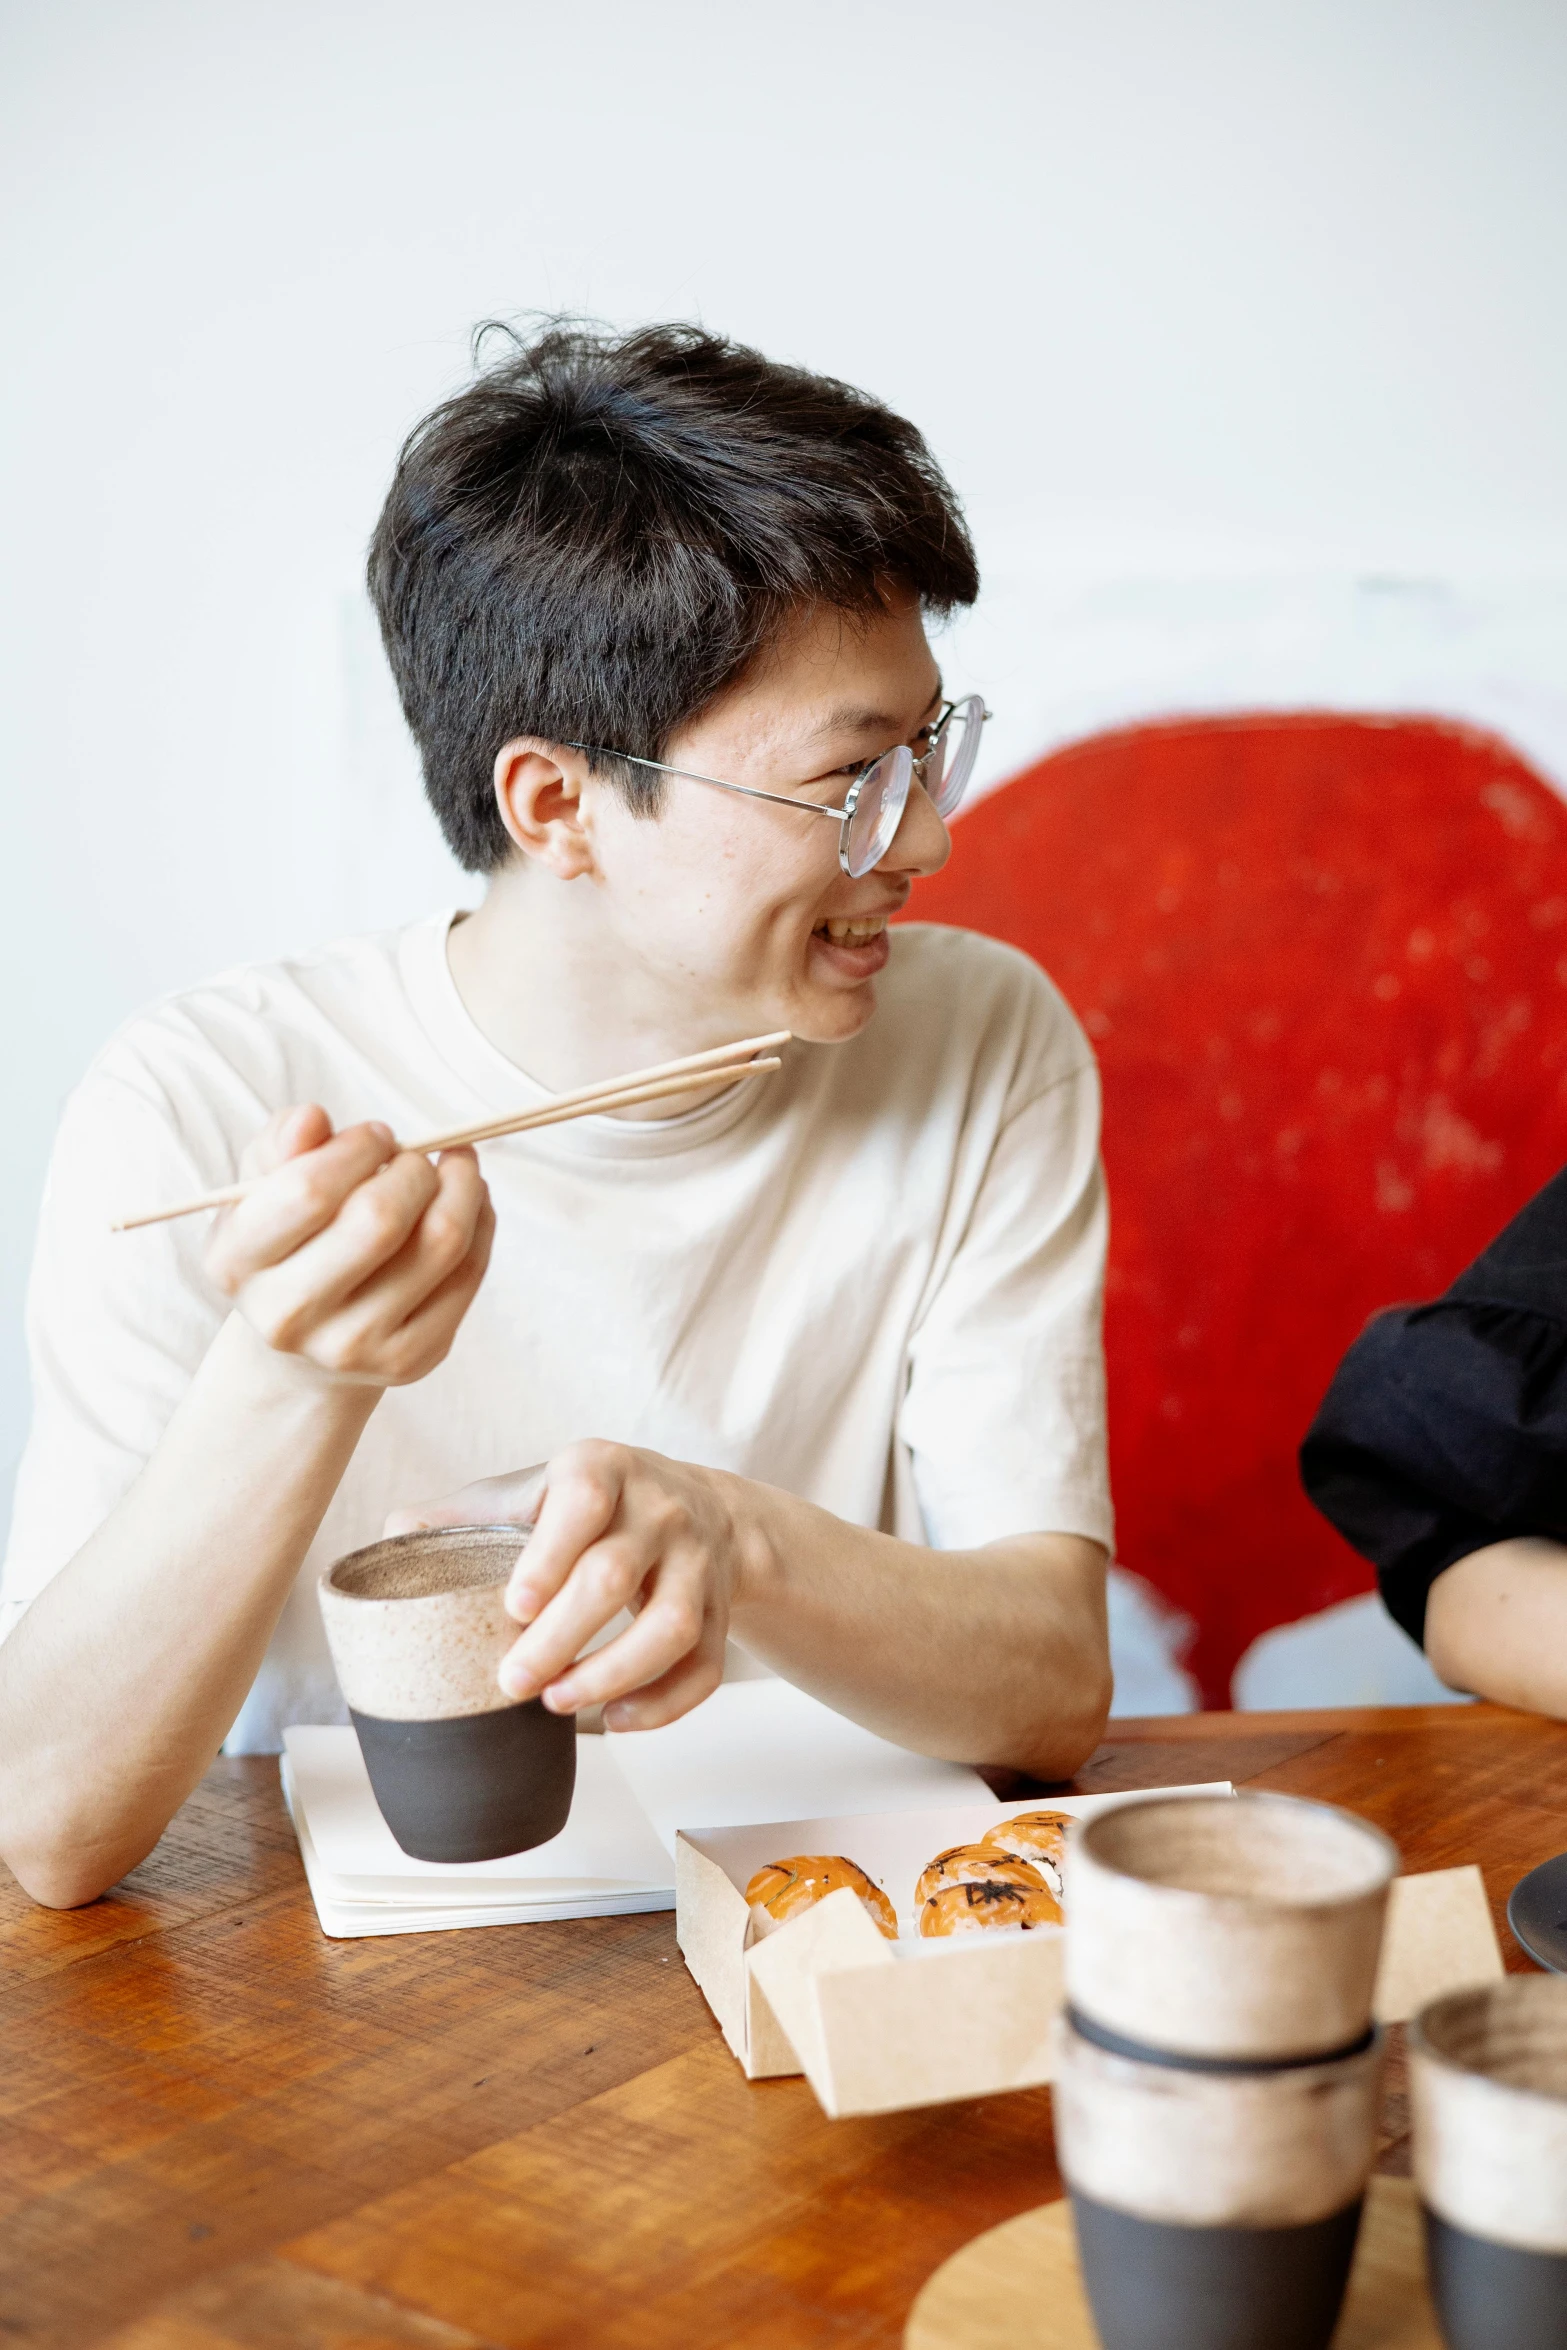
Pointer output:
352, 1255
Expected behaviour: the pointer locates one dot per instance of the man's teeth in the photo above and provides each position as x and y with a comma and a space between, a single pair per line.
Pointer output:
854, 934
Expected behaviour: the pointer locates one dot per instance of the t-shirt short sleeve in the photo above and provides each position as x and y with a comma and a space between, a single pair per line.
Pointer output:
1004, 1413
117, 1322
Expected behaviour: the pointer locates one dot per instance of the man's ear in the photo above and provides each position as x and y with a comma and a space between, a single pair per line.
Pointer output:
539, 792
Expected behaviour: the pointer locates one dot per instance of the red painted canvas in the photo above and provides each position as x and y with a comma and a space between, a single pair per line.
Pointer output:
1323, 961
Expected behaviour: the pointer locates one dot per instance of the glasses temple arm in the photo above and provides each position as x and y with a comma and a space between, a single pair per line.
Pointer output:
747, 791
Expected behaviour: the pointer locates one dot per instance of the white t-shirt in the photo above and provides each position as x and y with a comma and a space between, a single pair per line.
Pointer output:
874, 1280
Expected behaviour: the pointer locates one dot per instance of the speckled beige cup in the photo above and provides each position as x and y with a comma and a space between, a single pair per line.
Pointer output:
1214, 2203
1243, 1927
1488, 2102
417, 1626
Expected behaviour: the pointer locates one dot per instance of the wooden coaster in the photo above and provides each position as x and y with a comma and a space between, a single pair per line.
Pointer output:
1019, 2284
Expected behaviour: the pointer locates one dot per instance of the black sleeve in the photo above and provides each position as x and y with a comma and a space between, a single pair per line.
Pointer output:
1445, 1427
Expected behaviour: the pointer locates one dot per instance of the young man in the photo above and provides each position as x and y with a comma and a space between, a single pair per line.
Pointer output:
1440, 1452
814, 1362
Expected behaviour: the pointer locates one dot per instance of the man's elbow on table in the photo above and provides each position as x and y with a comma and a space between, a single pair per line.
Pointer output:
64, 1878
54, 1854
1074, 1680
55, 1886
1062, 1742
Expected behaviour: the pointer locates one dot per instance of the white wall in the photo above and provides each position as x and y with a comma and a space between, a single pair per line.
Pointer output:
1251, 296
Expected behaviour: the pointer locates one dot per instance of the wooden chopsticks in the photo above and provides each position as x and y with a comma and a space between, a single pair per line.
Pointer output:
722, 1061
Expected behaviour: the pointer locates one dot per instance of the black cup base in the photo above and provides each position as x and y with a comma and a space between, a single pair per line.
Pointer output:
1494, 2296
474, 1786
1157, 2287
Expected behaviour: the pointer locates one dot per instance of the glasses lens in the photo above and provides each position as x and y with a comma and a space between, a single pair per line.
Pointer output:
878, 810
950, 765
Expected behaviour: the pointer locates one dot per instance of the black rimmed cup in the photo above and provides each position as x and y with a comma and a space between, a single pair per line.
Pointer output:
1216, 2204
1217, 2074
1488, 2098
417, 1627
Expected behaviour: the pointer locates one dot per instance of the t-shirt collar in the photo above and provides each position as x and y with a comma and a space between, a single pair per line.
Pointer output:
502, 1087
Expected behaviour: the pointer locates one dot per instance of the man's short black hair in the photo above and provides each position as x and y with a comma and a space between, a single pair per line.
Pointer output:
603, 530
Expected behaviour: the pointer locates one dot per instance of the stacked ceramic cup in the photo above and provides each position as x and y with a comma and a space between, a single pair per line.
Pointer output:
1217, 2071
1488, 2094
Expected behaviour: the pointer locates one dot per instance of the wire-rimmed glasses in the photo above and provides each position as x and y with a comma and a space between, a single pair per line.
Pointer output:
874, 803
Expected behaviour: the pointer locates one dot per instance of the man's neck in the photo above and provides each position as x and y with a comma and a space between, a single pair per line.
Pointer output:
545, 983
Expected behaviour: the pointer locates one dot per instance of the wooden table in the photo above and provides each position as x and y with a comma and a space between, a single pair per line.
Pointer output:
220, 2131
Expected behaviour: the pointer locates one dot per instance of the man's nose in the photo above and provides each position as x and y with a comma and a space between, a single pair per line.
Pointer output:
922, 843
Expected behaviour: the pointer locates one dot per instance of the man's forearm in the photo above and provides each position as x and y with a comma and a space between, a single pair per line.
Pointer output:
993, 1655
120, 1682
1496, 1624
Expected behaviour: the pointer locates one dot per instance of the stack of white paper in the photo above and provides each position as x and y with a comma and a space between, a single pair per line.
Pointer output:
605, 1859
755, 1751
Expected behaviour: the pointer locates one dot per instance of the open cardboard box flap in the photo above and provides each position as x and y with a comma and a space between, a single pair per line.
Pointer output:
1439, 1937
874, 2032
877, 2026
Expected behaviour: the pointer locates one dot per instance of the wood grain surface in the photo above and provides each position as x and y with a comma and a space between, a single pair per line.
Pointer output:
220, 2131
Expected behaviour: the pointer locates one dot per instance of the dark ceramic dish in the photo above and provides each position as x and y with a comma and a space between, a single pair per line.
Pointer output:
1157, 2287
1537, 1913
1494, 2296
474, 1786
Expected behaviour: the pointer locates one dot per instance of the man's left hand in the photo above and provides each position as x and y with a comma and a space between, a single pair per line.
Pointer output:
616, 1528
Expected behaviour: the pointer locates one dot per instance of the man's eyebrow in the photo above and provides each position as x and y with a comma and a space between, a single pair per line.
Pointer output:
855, 718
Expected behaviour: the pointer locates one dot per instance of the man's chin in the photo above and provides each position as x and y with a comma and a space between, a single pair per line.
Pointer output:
823, 1015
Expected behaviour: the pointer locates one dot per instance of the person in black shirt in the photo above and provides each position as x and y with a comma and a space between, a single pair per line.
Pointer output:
1440, 1452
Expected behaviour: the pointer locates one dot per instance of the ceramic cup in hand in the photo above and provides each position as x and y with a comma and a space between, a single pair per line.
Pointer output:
417, 1627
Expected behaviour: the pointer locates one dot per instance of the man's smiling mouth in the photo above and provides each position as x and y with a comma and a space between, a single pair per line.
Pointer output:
852, 933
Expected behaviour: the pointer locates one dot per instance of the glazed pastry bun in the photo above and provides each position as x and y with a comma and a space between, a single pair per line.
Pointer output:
976, 1864
974, 1907
1036, 1836
786, 1887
